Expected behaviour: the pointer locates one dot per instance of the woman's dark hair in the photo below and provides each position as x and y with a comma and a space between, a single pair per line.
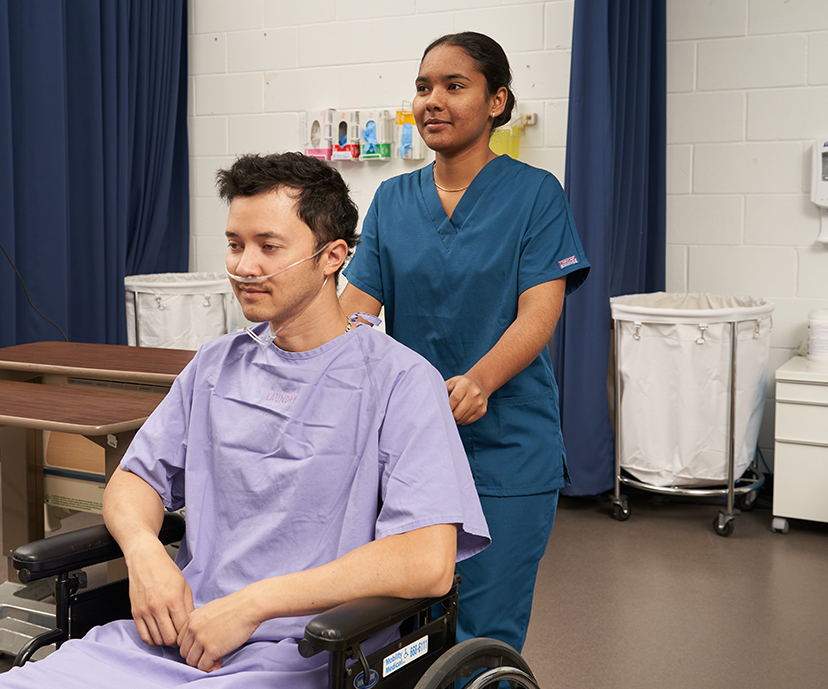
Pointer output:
490, 61
322, 199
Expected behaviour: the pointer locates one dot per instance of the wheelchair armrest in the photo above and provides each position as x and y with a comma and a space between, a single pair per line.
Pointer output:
352, 622
81, 548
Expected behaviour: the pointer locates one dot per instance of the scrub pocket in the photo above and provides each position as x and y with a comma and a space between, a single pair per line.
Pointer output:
516, 448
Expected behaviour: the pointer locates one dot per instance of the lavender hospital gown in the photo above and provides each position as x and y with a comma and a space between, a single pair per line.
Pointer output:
285, 461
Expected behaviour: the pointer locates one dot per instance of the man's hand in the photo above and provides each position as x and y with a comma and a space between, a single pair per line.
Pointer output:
468, 398
161, 597
414, 564
216, 629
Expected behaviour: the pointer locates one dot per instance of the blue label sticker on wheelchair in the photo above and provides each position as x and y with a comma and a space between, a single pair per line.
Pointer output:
404, 656
359, 682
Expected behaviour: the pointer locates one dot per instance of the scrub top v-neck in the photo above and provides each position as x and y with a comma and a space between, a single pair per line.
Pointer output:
450, 287
447, 227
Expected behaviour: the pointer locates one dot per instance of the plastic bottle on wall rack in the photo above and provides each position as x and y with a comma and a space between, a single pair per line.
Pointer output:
318, 133
345, 135
375, 135
408, 144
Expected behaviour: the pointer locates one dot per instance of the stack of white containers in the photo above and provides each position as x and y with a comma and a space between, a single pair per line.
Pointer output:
818, 335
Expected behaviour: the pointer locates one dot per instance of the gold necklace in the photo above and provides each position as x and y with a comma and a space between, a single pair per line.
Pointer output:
348, 325
451, 191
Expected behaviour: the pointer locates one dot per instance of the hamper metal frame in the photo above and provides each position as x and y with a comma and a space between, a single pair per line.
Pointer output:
723, 523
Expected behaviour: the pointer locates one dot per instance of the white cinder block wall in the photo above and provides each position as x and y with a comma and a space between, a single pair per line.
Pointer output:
747, 85
747, 94
257, 65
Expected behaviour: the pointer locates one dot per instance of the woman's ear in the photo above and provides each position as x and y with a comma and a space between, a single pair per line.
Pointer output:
498, 101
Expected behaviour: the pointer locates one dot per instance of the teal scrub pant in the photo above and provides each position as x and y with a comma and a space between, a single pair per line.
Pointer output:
498, 583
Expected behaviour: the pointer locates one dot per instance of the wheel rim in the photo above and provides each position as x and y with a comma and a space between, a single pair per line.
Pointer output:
517, 678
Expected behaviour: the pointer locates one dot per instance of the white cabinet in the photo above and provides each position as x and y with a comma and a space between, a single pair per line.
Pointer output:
800, 479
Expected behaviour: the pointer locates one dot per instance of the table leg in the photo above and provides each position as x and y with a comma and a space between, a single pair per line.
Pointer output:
21, 475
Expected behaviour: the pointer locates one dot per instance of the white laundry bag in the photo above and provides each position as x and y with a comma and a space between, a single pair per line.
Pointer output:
674, 360
179, 310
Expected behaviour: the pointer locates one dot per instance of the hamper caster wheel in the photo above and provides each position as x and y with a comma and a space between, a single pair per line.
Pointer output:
747, 501
723, 530
621, 512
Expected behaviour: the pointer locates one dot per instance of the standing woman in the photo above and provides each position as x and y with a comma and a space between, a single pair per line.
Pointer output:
472, 257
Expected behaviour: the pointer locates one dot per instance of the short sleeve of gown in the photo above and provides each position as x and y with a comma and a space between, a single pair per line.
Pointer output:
425, 475
550, 246
364, 270
158, 451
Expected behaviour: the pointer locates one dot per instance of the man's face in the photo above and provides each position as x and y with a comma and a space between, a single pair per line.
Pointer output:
264, 235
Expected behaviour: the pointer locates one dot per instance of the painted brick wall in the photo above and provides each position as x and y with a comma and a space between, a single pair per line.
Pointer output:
257, 65
747, 95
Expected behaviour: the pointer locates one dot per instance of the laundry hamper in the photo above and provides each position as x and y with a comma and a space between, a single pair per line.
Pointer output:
690, 385
179, 310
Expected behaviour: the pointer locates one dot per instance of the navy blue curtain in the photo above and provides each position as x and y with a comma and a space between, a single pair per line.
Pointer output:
615, 181
93, 160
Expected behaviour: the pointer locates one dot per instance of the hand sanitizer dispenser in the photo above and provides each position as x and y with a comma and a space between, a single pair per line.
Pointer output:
819, 185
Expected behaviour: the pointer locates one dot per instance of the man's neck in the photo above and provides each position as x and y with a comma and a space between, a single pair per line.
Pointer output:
323, 321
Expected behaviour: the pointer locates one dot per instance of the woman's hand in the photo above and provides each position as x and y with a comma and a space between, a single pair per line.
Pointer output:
216, 629
538, 310
468, 398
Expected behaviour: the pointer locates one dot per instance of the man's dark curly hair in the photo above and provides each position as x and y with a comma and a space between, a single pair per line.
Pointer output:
322, 199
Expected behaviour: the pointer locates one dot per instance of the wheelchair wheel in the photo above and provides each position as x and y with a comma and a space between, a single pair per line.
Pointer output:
497, 660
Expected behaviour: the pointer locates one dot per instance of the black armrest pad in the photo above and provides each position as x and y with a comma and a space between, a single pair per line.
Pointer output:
356, 620
81, 548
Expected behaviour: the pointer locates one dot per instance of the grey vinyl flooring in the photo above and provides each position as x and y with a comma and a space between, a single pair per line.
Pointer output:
662, 601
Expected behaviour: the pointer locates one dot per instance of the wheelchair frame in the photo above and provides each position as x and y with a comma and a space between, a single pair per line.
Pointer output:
424, 657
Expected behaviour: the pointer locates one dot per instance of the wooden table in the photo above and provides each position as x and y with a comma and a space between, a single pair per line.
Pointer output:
102, 392
148, 365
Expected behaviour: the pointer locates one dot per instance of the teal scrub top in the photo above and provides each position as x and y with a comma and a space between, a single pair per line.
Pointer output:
450, 287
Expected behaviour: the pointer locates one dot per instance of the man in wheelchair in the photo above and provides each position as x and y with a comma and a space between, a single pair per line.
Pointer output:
317, 459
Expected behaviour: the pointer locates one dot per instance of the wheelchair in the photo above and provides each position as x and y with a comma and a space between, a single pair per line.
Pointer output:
424, 657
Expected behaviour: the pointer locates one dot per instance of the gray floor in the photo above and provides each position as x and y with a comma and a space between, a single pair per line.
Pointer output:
661, 601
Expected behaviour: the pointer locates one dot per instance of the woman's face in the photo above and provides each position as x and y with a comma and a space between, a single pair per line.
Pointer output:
452, 107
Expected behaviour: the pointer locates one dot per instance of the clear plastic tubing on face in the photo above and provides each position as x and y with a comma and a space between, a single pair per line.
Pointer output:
268, 340
262, 278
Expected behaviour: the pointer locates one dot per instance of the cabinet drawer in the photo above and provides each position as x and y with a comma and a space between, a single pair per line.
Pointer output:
787, 391
802, 423
799, 481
